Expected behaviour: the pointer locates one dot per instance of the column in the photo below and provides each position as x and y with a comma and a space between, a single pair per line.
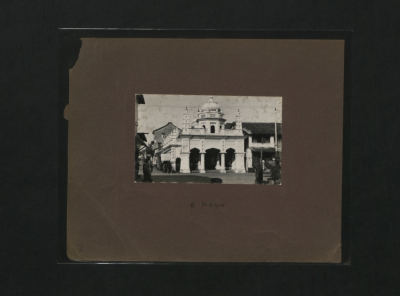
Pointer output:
249, 158
185, 168
239, 162
222, 162
173, 160
202, 163
272, 141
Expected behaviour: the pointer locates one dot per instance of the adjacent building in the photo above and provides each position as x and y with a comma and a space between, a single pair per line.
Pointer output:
260, 143
208, 143
140, 137
162, 133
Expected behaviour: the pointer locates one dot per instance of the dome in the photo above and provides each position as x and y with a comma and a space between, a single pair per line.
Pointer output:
210, 105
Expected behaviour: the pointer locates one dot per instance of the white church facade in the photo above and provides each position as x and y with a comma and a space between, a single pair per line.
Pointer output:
204, 144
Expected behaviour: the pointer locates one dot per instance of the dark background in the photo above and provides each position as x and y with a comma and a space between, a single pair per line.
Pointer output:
29, 129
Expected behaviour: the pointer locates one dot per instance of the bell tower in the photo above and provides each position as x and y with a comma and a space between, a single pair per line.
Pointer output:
186, 125
238, 125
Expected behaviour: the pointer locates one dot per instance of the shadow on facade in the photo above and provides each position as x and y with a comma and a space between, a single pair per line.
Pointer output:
212, 159
230, 159
194, 159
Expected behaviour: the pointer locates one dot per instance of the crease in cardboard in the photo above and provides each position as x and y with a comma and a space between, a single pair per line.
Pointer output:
332, 256
102, 211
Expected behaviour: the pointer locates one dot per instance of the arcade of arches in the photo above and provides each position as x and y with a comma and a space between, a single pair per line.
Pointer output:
213, 159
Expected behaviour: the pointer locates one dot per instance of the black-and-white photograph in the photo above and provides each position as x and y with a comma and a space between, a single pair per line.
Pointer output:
158, 126
208, 139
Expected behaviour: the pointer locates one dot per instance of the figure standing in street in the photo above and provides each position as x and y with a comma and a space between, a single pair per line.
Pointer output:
146, 171
150, 150
259, 174
150, 164
276, 172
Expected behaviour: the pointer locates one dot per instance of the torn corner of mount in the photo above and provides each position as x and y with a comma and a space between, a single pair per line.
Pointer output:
66, 113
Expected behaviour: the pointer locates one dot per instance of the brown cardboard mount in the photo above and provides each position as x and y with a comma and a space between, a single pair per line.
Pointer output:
112, 218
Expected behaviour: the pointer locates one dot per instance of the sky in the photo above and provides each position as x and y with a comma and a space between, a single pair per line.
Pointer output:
158, 110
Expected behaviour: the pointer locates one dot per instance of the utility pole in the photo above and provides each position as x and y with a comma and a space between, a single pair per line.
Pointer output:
262, 143
261, 176
276, 137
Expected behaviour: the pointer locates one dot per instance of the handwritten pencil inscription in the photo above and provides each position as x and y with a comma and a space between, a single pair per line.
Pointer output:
207, 205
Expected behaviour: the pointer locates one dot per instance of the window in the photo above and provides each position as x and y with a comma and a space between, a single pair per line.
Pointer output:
213, 129
261, 139
203, 116
212, 115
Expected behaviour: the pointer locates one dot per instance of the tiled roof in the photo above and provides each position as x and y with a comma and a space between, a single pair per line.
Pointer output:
169, 123
229, 125
140, 99
142, 136
260, 128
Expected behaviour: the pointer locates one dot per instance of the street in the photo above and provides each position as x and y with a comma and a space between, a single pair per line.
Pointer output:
227, 178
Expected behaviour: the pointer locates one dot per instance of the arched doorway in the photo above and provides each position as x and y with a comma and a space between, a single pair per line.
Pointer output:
230, 159
178, 165
194, 159
212, 158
